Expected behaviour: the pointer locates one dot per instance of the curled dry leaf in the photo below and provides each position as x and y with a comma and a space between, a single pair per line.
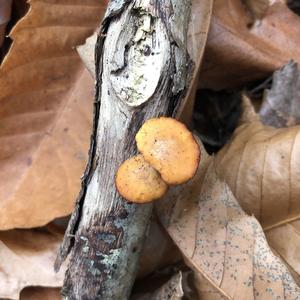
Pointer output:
261, 165
26, 259
238, 51
225, 247
46, 102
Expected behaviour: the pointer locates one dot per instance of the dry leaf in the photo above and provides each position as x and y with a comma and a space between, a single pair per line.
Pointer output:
285, 240
236, 54
281, 104
258, 8
37, 293
86, 53
281, 109
5, 11
225, 247
45, 112
158, 242
197, 35
27, 259
171, 290
261, 165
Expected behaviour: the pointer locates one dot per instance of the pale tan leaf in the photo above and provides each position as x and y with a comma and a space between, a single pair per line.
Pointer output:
26, 259
285, 240
225, 245
261, 166
45, 112
86, 53
238, 51
281, 109
258, 8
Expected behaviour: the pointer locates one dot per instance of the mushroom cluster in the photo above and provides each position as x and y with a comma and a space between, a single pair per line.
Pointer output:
169, 156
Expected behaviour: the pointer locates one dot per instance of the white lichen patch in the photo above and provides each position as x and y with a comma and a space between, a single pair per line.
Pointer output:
145, 60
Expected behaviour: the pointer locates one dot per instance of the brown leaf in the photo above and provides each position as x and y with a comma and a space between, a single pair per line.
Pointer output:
27, 259
261, 166
158, 251
45, 115
281, 109
258, 8
171, 290
238, 52
5, 11
226, 248
37, 293
285, 240
197, 35
281, 104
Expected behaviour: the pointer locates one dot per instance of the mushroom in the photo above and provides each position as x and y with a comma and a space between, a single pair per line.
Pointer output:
138, 182
170, 148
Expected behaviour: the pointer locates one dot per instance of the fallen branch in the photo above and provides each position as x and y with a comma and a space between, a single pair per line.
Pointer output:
142, 69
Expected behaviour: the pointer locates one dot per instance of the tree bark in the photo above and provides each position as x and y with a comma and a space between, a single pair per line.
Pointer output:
142, 71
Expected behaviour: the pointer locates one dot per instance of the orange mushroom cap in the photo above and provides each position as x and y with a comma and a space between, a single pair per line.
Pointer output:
138, 182
169, 147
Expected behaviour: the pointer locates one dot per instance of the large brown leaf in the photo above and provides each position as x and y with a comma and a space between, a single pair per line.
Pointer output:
45, 112
264, 173
261, 165
238, 51
26, 259
281, 109
225, 247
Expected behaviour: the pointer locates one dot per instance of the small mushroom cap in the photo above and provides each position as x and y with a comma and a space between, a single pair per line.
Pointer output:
138, 182
169, 147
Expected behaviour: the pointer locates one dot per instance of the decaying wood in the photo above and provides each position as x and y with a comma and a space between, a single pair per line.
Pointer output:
142, 71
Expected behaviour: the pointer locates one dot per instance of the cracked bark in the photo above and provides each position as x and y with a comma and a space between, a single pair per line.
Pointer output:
142, 71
